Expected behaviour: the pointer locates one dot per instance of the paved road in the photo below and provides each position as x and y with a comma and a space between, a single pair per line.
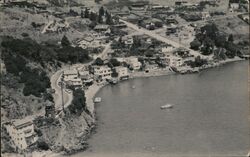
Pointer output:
161, 38
56, 78
67, 97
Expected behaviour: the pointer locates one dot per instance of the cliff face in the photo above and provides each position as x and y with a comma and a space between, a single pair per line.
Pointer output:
25, 91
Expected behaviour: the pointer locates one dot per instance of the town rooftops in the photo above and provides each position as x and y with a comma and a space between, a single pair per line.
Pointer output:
101, 27
19, 123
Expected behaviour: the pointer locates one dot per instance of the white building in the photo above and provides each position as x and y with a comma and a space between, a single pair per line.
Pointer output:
167, 49
104, 72
22, 132
76, 82
70, 74
85, 76
234, 6
175, 61
134, 63
128, 41
122, 72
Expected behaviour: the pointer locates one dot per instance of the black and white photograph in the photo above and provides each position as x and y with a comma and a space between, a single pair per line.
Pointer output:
125, 78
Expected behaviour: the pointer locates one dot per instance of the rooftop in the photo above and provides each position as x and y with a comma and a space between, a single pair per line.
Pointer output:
18, 123
70, 72
101, 27
88, 39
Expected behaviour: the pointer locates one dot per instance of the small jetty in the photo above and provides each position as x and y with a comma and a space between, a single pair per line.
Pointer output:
167, 106
97, 100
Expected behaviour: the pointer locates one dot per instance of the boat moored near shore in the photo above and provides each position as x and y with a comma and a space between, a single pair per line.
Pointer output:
97, 100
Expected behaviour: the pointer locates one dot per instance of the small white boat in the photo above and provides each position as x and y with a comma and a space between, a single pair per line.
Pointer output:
167, 106
97, 99
133, 87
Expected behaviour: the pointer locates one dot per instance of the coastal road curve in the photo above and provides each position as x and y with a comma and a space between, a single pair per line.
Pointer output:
67, 97
56, 78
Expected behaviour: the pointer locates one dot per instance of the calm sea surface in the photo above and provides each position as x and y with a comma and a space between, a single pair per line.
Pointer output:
210, 115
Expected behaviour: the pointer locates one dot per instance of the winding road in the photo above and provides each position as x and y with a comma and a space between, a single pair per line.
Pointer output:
56, 78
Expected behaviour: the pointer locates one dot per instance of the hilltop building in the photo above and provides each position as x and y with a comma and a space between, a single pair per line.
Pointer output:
22, 132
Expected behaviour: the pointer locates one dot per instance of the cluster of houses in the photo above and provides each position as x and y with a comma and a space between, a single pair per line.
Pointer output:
152, 16
86, 76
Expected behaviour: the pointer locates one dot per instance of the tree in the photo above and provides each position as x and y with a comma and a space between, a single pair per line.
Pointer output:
109, 20
210, 30
101, 11
93, 16
220, 40
114, 73
82, 15
42, 145
65, 41
79, 102
195, 44
231, 38
99, 61
86, 13
100, 20
115, 62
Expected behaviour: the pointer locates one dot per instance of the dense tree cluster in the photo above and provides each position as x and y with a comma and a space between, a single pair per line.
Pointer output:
43, 53
98, 17
79, 102
35, 80
17, 53
198, 62
210, 38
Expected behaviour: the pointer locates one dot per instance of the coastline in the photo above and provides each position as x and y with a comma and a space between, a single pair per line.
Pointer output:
95, 88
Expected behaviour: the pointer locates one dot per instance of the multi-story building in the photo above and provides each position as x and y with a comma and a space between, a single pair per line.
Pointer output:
70, 74
122, 72
102, 72
134, 63
22, 132
174, 61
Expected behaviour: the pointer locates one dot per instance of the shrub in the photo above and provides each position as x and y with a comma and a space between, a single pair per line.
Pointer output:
42, 145
79, 102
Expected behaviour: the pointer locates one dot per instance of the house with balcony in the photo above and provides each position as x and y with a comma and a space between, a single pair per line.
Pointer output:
76, 82
21, 132
102, 72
